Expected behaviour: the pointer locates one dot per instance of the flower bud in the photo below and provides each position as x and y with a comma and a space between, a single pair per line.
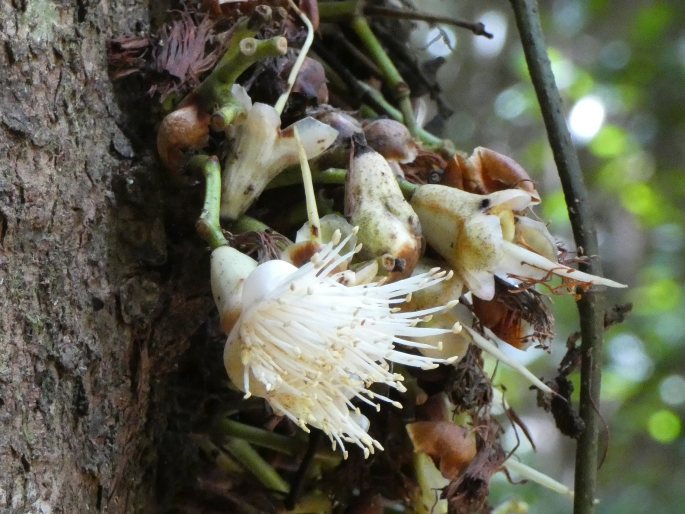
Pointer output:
475, 234
495, 172
451, 447
262, 151
534, 235
346, 125
229, 269
460, 227
392, 140
486, 171
184, 129
388, 227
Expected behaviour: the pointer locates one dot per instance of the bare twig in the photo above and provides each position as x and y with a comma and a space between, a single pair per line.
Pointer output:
477, 28
330, 11
591, 304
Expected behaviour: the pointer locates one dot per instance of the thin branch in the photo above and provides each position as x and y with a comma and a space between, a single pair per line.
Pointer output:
334, 11
591, 304
477, 28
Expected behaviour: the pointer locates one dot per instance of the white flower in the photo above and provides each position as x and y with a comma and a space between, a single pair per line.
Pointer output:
477, 236
311, 345
262, 150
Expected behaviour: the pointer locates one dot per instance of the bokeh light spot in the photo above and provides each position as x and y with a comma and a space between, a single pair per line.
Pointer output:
611, 141
672, 390
629, 358
510, 103
586, 118
642, 200
615, 55
664, 426
658, 296
496, 23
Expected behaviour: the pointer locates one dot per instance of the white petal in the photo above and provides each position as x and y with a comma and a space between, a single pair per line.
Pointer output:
511, 199
536, 476
480, 282
264, 279
523, 262
493, 350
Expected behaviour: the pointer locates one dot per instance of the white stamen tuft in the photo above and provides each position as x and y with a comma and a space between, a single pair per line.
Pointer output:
311, 345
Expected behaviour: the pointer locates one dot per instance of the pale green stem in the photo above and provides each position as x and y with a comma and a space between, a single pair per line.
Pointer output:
336, 11
217, 455
228, 428
248, 224
425, 136
339, 175
283, 99
208, 225
216, 88
226, 115
255, 464
361, 27
260, 437
353, 10
310, 195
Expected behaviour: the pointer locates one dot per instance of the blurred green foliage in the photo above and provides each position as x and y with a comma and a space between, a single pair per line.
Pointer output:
628, 59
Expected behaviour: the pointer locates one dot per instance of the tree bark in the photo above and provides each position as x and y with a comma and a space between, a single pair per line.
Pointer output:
102, 281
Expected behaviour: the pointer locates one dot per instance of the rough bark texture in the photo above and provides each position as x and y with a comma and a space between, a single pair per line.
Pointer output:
102, 281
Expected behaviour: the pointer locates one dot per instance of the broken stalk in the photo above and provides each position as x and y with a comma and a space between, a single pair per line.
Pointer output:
208, 224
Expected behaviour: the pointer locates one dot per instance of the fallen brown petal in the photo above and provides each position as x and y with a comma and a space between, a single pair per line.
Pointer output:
451, 447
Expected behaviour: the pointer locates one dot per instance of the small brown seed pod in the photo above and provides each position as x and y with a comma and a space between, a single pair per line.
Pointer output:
184, 129
391, 139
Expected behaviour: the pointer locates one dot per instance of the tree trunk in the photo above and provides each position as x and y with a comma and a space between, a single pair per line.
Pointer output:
102, 280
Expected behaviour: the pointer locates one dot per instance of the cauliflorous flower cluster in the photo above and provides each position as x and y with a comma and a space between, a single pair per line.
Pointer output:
310, 344
321, 330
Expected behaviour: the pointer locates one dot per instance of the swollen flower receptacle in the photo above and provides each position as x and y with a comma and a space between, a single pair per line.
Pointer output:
186, 128
392, 140
486, 171
389, 229
262, 150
